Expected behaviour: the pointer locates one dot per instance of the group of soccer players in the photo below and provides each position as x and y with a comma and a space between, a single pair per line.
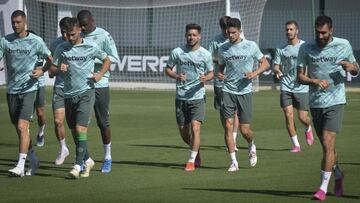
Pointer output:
312, 76
80, 60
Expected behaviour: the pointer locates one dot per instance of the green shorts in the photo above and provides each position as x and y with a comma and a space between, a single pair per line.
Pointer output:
329, 119
187, 111
78, 109
101, 107
299, 100
218, 100
40, 97
240, 103
58, 98
21, 106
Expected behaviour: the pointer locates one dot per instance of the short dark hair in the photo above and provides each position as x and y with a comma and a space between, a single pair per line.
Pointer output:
192, 26
83, 14
323, 20
293, 22
18, 13
71, 23
233, 22
63, 22
223, 22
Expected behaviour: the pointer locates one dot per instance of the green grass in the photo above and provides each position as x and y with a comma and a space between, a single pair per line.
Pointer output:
149, 156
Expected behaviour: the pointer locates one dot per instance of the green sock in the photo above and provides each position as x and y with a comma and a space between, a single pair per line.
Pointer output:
81, 148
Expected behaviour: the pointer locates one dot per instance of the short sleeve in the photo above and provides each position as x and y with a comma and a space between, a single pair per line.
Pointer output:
172, 59
277, 57
301, 59
257, 53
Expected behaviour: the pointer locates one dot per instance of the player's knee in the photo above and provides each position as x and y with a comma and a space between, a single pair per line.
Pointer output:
59, 123
245, 130
22, 127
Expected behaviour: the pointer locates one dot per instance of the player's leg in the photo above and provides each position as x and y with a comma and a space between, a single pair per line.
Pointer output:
286, 103
331, 120
196, 114
228, 110
20, 111
84, 109
40, 112
183, 123
70, 115
101, 108
244, 108
235, 129
302, 104
58, 106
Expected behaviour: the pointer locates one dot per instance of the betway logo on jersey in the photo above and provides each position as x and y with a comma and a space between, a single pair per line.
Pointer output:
75, 58
239, 57
140, 64
190, 63
331, 59
19, 51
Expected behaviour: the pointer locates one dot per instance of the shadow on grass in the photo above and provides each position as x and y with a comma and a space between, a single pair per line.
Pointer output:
298, 194
203, 147
160, 164
44, 166
346, 163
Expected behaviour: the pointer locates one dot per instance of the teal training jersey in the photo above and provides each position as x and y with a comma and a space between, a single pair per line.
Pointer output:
238, 60
59, 79
193, 64
21, 56
106, 43
286, 57
323, 64
81, 59
213, 49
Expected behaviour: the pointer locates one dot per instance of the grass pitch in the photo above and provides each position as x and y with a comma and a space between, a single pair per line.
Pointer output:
149, 157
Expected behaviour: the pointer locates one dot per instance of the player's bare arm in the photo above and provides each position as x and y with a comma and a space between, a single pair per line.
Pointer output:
352, 68
277, 71
40, 70
304, 79
264, 65
206, 77
105, 67
174, 75
221, 74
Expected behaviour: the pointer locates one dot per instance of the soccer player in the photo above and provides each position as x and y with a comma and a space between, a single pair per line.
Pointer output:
58, 104
193, 68
236, 61
102, 96
21, 51
328, 59
76, 59
219, 40
292, 93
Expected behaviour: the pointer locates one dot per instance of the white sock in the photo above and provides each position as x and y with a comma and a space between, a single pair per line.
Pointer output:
32, 155
41, 130
337, 172
22, 159
107, 151
235, 135
325, 179
63, 144
295, 141
233, 157
251, 146
192, 156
